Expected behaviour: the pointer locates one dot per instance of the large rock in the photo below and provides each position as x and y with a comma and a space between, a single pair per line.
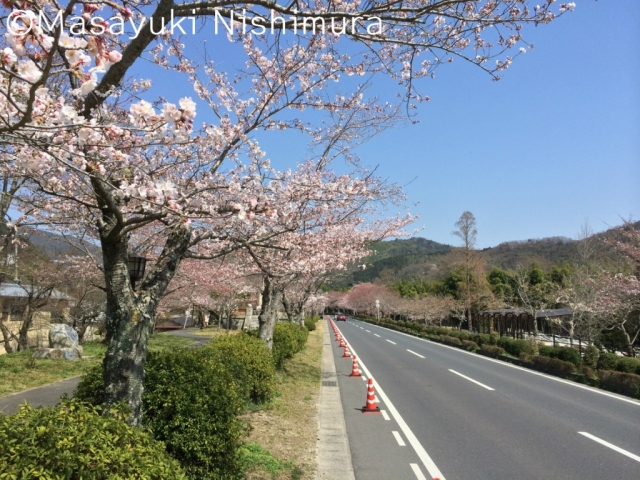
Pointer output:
59, 353
62, 336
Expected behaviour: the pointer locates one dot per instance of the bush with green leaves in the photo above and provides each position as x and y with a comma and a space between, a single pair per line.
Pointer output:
620, 382
569, 354
74, 440
310, 322
492, 350
449, 340
493, 338
591, 355
288, 339
250, 363
554, 365
608, 361
191, 402
515, 346
470, 345
628, 365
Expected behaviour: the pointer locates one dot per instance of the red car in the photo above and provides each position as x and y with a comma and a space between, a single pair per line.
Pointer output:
341, 317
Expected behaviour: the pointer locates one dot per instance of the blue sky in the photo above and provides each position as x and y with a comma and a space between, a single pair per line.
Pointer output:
553, 144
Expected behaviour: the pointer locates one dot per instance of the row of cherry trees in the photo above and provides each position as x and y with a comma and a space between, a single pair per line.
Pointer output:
94, 152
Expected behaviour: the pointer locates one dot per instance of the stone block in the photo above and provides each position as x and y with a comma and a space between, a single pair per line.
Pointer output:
62, 336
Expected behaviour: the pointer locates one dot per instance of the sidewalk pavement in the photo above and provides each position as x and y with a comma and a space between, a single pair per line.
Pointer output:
333, 453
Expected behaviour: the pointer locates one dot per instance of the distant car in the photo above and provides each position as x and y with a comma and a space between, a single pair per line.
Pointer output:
341, 317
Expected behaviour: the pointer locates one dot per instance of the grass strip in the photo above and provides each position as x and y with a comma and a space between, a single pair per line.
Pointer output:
284, 433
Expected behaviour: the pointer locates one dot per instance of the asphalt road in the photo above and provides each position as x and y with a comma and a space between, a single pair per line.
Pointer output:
464, 416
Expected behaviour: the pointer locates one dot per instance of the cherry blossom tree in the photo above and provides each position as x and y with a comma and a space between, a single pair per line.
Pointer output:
95, 157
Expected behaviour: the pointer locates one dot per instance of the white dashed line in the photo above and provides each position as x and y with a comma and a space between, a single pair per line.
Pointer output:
385, 415
417, 471
471, 380
416, 354
377, 335
368, 331
391, 341
611, 446
399, 439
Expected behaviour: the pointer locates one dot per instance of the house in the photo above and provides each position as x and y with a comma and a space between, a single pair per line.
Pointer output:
15, 298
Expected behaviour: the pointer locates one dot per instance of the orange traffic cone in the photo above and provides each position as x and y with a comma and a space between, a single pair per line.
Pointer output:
355, 372
346, 352
342, 344
371, 406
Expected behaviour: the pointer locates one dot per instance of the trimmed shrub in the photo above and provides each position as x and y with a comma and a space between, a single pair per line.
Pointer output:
482, 338
554, 365
608, 361
191, 402
514, 346
250, 363
464, 336
310, 322
492, 350
547, 351
74, 440
451, 340
591, 355
288, 339
628, 365
493, 338
620, 382
568, 354
470, 345
525, 357
589, 372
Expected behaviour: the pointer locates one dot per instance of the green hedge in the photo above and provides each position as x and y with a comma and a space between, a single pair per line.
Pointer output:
250, 363
554, 365
515, 346
191, 403
628, 365
566, 354
288, 339
620, 382
470, 345
591, 356
310, 322
608, 361
74, 440
492, 350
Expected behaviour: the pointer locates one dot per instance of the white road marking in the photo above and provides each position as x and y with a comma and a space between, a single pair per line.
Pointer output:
399, 439
385, 415
471, 380
391, 341
376, 399
417, 471
413, 441
611, 446
416, 354
532, 372
377, 335
368, 331
363, 377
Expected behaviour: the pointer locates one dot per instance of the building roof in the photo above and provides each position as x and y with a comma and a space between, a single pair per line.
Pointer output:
15, 290
557, 312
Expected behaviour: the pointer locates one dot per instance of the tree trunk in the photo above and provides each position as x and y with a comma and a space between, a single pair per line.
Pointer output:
271, 299
130, 317
7, 338
23, 335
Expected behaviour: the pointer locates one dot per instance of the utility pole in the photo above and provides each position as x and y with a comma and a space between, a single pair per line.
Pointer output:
378, 309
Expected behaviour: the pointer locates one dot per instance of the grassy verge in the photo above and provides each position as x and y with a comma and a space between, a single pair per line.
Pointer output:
214, 332
282, 443
19, 371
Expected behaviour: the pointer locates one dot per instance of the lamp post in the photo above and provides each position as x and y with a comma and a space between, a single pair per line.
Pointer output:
378, 309
136, 265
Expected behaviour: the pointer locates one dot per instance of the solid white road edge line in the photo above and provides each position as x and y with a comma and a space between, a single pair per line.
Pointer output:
385, 415
611, 446
417, 471
391, 341
516, 367
415, 443
471, 379
399, 439
416, 354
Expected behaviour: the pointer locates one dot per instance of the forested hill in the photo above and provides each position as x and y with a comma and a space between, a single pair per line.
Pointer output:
416, 258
